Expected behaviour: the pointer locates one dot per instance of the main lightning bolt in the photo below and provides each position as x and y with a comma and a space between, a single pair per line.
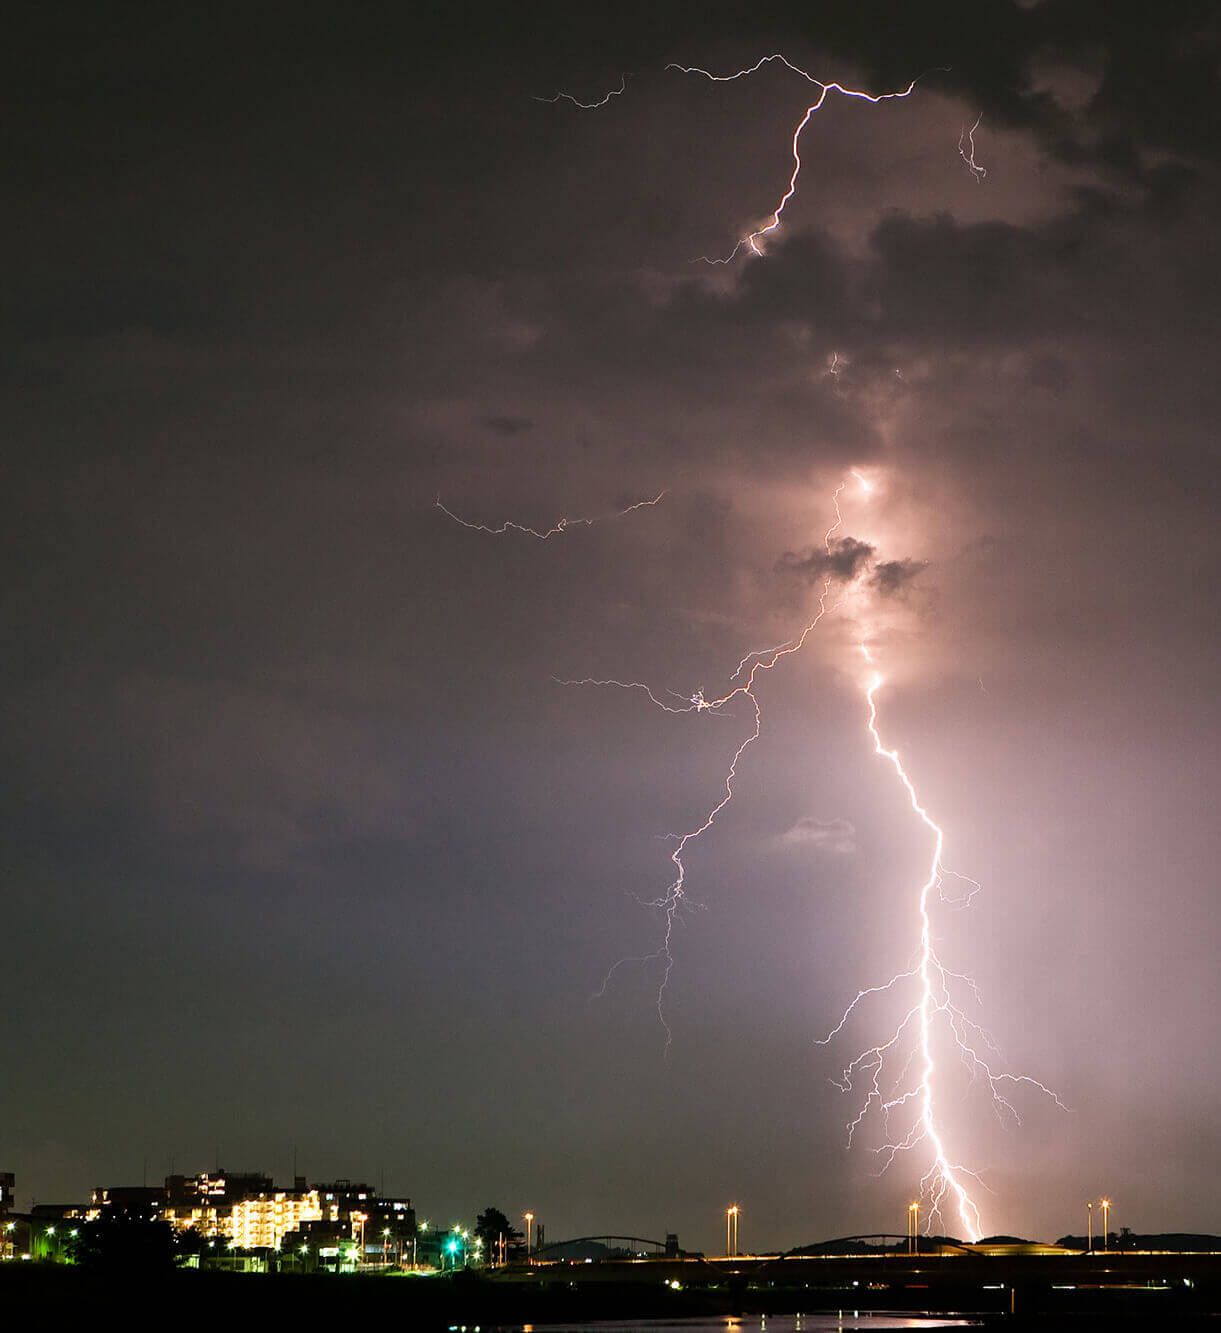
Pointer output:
888, 1095
913, 1038
904, 1101
560, 525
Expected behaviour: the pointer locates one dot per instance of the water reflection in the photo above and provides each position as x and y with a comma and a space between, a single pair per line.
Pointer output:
868, 1321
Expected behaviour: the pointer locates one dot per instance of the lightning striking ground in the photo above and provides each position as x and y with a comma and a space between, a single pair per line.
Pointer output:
943, 1182
560, 525
903, 1102
891, 1096
897, 1075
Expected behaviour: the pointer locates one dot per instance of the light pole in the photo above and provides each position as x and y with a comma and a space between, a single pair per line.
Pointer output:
1106, 1231
913, 1226
1090, 1223
731, 1230
528, 1218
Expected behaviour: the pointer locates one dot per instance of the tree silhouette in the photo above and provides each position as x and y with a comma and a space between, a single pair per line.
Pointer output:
495, 1230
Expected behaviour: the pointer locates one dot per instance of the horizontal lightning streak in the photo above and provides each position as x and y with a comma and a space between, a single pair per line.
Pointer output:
587, 106
561, 525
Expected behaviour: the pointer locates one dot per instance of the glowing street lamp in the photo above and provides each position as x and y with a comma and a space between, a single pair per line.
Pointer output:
1106, 1231
1090, 1223
528, 1218
731, 1230
913, 1226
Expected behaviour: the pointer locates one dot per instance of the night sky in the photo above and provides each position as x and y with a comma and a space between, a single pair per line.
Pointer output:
306, 851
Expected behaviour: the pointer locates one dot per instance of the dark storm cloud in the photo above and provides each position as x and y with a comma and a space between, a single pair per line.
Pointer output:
891, 577
848, 559
1157, 67
845, 559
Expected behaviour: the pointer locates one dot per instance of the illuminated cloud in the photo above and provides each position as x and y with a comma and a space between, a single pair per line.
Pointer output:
833, 835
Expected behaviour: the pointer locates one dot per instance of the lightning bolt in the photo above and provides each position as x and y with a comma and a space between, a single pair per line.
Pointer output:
966, 149
905, 1104
889, 1096
897, 1076
751, 241
587, 106
560, 525
674, 899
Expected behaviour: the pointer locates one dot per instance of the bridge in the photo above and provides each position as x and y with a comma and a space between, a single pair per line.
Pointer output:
618, 1247
852, 1271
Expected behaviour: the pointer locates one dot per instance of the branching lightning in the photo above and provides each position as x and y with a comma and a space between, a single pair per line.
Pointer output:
890, 1095
896, 1078
560, 525
751, 240
903, 1100
674, 899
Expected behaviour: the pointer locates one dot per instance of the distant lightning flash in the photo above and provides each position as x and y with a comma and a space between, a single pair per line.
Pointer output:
560, 525
751, 241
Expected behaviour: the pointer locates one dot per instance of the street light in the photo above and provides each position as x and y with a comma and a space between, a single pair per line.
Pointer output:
1090, 1222
913, 1226
1106, 1231
731, 1230
528, 1218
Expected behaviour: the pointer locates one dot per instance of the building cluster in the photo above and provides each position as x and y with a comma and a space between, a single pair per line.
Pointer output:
235, 1220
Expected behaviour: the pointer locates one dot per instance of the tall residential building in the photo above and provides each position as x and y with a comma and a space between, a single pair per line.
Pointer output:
245, 1210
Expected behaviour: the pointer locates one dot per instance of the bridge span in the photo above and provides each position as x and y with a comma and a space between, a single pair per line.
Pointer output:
989, 1277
